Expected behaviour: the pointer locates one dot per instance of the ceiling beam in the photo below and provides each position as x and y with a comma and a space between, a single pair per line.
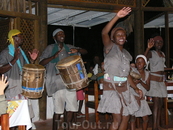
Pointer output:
99, 6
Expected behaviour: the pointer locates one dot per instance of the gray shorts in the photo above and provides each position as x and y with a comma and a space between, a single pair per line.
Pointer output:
65, 99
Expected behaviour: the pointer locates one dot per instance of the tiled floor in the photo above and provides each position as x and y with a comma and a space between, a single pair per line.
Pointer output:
91, 125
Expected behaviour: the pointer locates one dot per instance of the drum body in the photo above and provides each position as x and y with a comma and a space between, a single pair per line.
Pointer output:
73, 73
33, 80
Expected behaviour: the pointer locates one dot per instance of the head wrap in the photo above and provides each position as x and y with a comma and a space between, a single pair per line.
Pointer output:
145, 59
56, 31
158, 38
12, 33
114, 30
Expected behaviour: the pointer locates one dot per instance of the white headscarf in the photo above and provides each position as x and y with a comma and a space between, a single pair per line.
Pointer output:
145, 59
56, 31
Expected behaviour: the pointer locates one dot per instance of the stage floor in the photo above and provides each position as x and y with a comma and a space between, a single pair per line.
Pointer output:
91, 125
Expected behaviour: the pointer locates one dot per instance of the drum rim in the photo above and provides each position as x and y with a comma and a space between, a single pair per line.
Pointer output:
33, 67
62, 62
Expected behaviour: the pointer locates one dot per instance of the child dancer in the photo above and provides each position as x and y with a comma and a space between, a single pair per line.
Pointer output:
144, 85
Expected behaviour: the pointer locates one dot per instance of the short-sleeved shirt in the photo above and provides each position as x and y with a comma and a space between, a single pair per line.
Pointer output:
14, 75
53, 79
3, 104
117, 62
157, 63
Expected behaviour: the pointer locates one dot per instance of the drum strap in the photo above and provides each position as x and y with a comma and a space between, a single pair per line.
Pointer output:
56, 48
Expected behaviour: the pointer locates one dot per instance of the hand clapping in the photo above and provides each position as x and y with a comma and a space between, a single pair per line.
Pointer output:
33, 54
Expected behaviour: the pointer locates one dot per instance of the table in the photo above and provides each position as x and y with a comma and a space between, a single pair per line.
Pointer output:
19, 113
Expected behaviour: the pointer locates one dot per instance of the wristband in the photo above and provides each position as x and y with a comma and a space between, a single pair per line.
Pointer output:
10, 64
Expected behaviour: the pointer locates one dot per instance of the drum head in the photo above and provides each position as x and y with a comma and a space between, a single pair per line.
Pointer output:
68, 61
33, 67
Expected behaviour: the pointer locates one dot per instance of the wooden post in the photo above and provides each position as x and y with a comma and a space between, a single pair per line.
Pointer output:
42, 12
138, 29
167, 43
37, 36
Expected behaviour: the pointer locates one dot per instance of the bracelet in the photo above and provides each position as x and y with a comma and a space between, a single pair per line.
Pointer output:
10, 64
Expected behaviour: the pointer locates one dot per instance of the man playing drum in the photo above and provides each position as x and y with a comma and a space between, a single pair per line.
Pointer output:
12, 59
55, 87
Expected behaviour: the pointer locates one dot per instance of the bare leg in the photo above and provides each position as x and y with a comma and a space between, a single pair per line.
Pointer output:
56, 121
145, 122
132, 123
69, 119
155, 112
80, 106
116, 121
159, 113
74, 119
124, 123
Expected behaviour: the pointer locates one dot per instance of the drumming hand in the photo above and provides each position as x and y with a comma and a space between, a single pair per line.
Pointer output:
73, 51
56, 54
33, 54
123, 12
16, 53
150, 43
3, 84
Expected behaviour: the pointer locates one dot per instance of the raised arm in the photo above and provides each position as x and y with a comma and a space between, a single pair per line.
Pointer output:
105, 32
150, 45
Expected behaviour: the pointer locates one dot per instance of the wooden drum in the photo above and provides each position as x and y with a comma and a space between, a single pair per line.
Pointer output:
33, 80
73, 73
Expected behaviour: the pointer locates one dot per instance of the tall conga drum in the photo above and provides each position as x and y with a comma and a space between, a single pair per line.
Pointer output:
73, 72
33, 80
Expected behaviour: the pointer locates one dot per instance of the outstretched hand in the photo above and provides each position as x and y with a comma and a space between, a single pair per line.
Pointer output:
33, 54
3, 84
73, 50
123, 12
